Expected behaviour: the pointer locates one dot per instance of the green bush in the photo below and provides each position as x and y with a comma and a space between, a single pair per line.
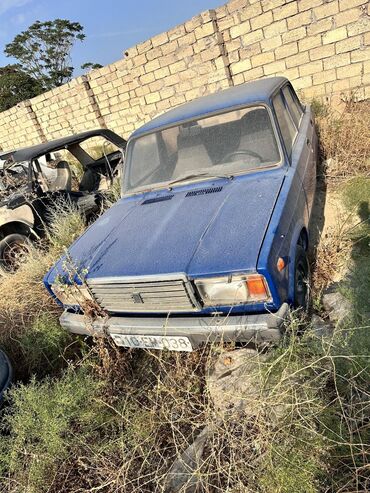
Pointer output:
46, 424
43, 346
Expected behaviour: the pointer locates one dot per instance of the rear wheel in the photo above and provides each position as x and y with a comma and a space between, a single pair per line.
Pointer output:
13, 251
301, 280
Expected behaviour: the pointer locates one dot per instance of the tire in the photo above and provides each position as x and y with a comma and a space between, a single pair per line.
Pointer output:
302, 280
13, 250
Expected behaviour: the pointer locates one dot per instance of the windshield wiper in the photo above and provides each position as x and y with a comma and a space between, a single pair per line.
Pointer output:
196, 175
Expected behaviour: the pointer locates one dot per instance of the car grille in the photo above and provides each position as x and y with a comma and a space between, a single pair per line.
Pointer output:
119, 295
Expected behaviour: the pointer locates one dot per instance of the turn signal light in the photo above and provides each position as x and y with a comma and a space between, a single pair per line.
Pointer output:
280, 264
257, 287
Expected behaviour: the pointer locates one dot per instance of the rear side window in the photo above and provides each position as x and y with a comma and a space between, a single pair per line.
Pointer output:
293, 105
286, 124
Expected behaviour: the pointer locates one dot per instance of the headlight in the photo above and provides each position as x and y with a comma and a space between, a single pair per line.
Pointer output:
72, 295
233, 290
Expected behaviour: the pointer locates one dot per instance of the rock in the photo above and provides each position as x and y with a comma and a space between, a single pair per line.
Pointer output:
234, 382
183, 473
320, 327
337, 306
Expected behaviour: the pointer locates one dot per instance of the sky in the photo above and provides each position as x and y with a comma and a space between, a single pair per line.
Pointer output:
111, 26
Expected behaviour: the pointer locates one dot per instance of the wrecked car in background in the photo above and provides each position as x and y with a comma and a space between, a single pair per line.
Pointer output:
32, 179
209, 241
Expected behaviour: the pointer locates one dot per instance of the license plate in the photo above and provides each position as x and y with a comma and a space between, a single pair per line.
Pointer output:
171, 343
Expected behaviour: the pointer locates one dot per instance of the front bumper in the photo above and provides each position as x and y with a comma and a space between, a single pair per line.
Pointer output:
241, 328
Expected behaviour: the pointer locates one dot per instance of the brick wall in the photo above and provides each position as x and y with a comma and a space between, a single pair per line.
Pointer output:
322, 46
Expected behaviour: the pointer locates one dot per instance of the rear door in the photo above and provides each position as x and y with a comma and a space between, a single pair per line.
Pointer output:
298, 134
306, 165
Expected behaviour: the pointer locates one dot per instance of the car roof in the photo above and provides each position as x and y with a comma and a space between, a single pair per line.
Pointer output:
243, 94
33, 152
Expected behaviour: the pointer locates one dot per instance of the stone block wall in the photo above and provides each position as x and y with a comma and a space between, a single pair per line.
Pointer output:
322, 46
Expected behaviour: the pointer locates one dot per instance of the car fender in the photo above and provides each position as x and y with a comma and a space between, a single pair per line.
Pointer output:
20, 220
22, 214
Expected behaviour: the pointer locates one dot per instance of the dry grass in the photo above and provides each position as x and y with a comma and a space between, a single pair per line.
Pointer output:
23, 292
345, 139
24, 299
331, 257
23, 295
345, 147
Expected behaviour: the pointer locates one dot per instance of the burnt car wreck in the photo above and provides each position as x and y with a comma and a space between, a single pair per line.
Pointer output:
78, 168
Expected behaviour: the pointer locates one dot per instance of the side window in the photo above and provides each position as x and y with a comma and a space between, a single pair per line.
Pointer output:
98, 147
293, 105
287, 127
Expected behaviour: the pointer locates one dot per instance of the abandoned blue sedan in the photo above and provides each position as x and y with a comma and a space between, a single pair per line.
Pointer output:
209, 239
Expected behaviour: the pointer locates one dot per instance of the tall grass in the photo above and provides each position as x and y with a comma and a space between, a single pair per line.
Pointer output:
345, 139
26, 309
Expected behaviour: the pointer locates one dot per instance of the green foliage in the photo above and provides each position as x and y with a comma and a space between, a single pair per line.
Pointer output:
356, 287
67, 224
43, 346
43, 53
43, 50
90, 66
295, 464
319, 108
320, 386
45, 425
16, 86
356, 193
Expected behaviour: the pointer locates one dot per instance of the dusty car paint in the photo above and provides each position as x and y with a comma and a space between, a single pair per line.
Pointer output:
205, 228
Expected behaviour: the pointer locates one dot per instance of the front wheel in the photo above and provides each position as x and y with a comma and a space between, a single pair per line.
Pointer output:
13, 251
302, 282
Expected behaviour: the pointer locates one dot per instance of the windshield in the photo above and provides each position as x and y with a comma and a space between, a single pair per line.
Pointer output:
234, 142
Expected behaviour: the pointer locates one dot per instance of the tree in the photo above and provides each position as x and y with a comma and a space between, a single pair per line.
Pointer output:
16, 86
88, 66
44, 51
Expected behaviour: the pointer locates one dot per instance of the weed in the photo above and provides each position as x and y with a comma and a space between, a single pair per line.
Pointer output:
28, 316
44, 426
43, 346
66, 224
344, 139
356, 286
320, 109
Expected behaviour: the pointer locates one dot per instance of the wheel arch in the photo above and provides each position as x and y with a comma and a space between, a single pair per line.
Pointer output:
19, 227
299, 238
303, 238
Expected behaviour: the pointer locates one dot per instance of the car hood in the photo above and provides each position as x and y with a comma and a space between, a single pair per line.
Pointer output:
206, 228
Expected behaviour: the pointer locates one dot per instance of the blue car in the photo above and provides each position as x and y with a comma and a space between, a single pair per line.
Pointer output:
209, 239
6, 374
